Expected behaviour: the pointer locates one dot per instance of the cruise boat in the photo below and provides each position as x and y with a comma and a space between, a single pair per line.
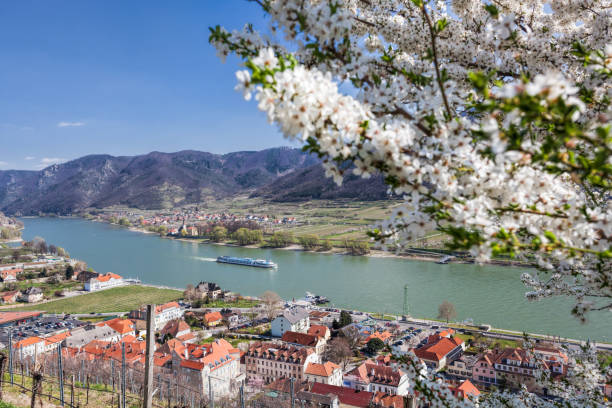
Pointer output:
258, 263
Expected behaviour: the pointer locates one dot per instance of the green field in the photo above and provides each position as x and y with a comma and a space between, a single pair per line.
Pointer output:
122, 299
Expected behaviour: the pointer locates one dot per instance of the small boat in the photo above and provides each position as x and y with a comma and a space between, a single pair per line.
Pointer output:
316, 299
445, 260
257, 263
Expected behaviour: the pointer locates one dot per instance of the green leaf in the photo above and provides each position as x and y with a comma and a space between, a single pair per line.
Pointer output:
493, 11
441, 25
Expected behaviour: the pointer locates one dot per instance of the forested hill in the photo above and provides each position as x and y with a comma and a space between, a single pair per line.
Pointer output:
162, 180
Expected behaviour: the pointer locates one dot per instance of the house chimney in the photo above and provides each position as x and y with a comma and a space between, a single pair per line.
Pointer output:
186, 354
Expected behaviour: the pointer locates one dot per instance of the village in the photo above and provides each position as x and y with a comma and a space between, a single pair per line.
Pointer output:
271, 351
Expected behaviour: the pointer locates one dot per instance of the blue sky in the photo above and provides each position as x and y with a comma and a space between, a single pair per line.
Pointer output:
123, 78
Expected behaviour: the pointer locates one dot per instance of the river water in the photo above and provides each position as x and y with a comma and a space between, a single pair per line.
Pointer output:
487, 294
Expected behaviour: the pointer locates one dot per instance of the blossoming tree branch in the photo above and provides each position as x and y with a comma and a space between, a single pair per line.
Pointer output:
491, 120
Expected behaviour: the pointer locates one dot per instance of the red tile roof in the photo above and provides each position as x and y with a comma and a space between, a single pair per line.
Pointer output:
388, 401
300, 338
370, 372
347, 396
318, 330
193, 365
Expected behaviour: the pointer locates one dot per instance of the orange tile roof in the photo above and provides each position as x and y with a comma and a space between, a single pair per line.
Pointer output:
122, 326
8, 317
161, 359
128, 339
107, 277
96, 347
163, 307
322, 370
56, 338
384, 336
186, 337
465, 390
194, 365
213, 317
28, 341
436, 351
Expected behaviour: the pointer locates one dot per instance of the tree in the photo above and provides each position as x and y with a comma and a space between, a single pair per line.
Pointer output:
190, 293
281, 239
80, 266
271, 304
357, 247
219, 234
481, 132
52, 249
69, 272
490, 119
326, 245
374, 345
447, 311
245, 236
345, 318
16, 255
352, 336
339, 351
309, 242
39, 245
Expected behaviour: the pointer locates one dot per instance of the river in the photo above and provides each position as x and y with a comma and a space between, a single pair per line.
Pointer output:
487, 294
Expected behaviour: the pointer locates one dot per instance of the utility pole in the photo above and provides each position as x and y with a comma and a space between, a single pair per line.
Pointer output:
10, 340
123, 375
242, 395
292, 392
61, 372
211, 397
148, 391
405, 311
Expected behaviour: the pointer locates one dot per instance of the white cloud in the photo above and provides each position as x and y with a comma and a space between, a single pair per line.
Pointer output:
70, 124
29, 158
48, 161
3, 163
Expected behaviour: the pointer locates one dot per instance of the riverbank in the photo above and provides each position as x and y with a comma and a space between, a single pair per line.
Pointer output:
418, 254
482, 293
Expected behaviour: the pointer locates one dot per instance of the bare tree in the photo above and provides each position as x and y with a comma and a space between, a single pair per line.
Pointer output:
447, 311
80, 266
271, 303
190, 292
339, 351
352, 336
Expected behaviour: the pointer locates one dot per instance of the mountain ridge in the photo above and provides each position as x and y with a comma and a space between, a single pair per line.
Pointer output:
162, 180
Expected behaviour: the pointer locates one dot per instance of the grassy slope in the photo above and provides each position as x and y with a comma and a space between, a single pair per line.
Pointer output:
122, 299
